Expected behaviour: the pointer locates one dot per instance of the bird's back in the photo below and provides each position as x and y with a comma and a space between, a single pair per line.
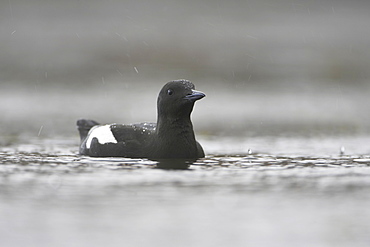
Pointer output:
140, 133
118, 140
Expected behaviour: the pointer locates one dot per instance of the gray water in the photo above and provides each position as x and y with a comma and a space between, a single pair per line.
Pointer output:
50, 196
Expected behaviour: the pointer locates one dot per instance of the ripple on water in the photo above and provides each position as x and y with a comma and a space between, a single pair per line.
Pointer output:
53, 184
254, 170
25, 160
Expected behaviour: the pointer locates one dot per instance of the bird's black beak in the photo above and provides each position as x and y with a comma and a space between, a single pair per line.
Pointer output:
195, 95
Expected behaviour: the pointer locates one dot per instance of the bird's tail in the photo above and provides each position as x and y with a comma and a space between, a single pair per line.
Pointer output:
84, 126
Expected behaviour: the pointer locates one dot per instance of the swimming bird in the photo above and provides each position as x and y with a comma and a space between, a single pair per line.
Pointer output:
171, 137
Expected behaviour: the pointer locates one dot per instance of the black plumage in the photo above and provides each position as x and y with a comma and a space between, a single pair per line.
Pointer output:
172, 137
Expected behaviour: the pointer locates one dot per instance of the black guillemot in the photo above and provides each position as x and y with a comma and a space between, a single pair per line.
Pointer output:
172, 137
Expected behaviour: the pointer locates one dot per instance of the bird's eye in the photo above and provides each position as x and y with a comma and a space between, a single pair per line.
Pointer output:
169, 91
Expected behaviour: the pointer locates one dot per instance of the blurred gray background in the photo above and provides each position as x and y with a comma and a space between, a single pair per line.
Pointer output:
267, 67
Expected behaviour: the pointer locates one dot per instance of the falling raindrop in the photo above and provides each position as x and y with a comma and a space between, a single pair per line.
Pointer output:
137, 72
40, 130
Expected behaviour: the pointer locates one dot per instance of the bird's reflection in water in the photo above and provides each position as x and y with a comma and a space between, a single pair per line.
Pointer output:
174, 164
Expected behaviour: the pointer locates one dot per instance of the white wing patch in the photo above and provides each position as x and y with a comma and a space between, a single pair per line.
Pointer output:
103, 133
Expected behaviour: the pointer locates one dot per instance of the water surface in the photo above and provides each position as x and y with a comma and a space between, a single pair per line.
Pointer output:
267, 196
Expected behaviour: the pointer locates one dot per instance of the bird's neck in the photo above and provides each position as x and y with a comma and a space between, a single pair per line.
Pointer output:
174, 139
175, 127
